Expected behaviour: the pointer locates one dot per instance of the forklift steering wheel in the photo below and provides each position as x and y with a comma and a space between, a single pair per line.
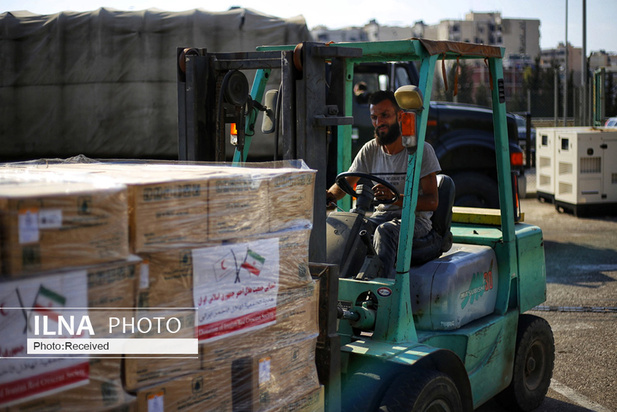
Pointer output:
346, 187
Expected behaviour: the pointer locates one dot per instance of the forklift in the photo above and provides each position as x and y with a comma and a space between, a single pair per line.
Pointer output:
447, 334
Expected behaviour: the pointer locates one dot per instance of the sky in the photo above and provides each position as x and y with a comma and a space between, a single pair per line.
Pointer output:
601, 14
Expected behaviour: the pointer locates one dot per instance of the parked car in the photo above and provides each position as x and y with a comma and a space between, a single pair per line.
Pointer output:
611, 122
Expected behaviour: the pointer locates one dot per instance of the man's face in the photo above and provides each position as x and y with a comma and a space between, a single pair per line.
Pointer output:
385, 121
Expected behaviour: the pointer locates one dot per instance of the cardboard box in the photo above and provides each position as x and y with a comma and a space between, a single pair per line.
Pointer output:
200, 391
314, 401
166, 279
112, 286
291, 198
238, 204
139, 371
292, 370
293, 254
56, 222
142, 372
275, 376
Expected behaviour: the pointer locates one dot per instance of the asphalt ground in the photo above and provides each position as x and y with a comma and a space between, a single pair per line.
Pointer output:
581, 306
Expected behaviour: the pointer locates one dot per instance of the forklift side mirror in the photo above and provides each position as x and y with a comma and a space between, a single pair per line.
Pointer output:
409, 97
268, 123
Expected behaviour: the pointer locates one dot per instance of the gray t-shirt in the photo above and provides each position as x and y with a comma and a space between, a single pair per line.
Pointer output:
374, 160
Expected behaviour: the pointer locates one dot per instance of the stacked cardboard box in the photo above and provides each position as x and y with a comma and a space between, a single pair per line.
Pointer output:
232, 243
52, 222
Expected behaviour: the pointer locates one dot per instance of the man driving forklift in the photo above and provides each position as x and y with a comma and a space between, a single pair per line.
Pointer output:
385, 157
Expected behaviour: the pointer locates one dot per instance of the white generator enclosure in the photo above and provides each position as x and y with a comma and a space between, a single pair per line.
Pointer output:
545, 163
585, 170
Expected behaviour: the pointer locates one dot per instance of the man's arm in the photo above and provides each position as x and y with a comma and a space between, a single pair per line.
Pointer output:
335, 192
429, 199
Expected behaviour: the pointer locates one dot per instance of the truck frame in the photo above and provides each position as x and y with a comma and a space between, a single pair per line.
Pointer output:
376, 347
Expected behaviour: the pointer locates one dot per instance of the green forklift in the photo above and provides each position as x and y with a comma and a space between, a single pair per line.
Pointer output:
447, 334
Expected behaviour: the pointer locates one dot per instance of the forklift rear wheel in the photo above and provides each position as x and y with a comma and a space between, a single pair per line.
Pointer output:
533, 364
422, 390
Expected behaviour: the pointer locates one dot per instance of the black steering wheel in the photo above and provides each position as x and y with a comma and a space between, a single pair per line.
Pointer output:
341, 181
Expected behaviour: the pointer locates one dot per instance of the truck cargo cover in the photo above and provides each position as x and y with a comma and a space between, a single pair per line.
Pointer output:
103, 83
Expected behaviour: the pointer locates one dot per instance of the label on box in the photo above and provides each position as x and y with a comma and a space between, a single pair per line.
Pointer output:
28, 221
50, 218
235, 287
144, 274
264, 370
30, 308
156, 402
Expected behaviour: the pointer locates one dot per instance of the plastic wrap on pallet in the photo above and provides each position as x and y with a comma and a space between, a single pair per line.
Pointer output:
52, 221
230, 245
95, 293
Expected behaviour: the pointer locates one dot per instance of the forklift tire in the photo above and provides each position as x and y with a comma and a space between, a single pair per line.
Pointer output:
422, 390
533, 365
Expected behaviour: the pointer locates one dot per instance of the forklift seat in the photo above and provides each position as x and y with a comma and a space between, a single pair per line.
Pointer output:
439, 239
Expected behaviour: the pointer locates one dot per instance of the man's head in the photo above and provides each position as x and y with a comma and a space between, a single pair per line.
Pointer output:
385, 115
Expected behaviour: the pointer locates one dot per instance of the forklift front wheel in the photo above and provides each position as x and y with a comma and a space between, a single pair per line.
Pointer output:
421, 390
364, 390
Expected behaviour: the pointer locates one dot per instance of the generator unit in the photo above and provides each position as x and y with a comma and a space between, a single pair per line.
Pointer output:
545, 163
585, 169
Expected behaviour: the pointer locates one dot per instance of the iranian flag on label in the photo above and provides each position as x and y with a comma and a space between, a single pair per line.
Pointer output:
240, 294
253, 262
46, 299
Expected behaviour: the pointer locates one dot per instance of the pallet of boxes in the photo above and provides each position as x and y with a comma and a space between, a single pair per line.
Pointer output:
217, 255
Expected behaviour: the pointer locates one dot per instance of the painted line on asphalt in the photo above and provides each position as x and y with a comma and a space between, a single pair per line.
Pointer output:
592, 309
577, 398
594, 268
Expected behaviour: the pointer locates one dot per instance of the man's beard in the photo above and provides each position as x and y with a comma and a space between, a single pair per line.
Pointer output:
383, 139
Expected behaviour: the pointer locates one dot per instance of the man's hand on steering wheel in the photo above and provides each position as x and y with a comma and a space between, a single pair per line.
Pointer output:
383, 191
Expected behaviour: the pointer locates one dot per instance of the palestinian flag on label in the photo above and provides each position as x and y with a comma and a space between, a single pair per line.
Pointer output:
253, 262
46, 300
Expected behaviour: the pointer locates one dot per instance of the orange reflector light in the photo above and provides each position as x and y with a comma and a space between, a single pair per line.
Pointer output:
430, 123
516, 159
408, 124
234, 129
